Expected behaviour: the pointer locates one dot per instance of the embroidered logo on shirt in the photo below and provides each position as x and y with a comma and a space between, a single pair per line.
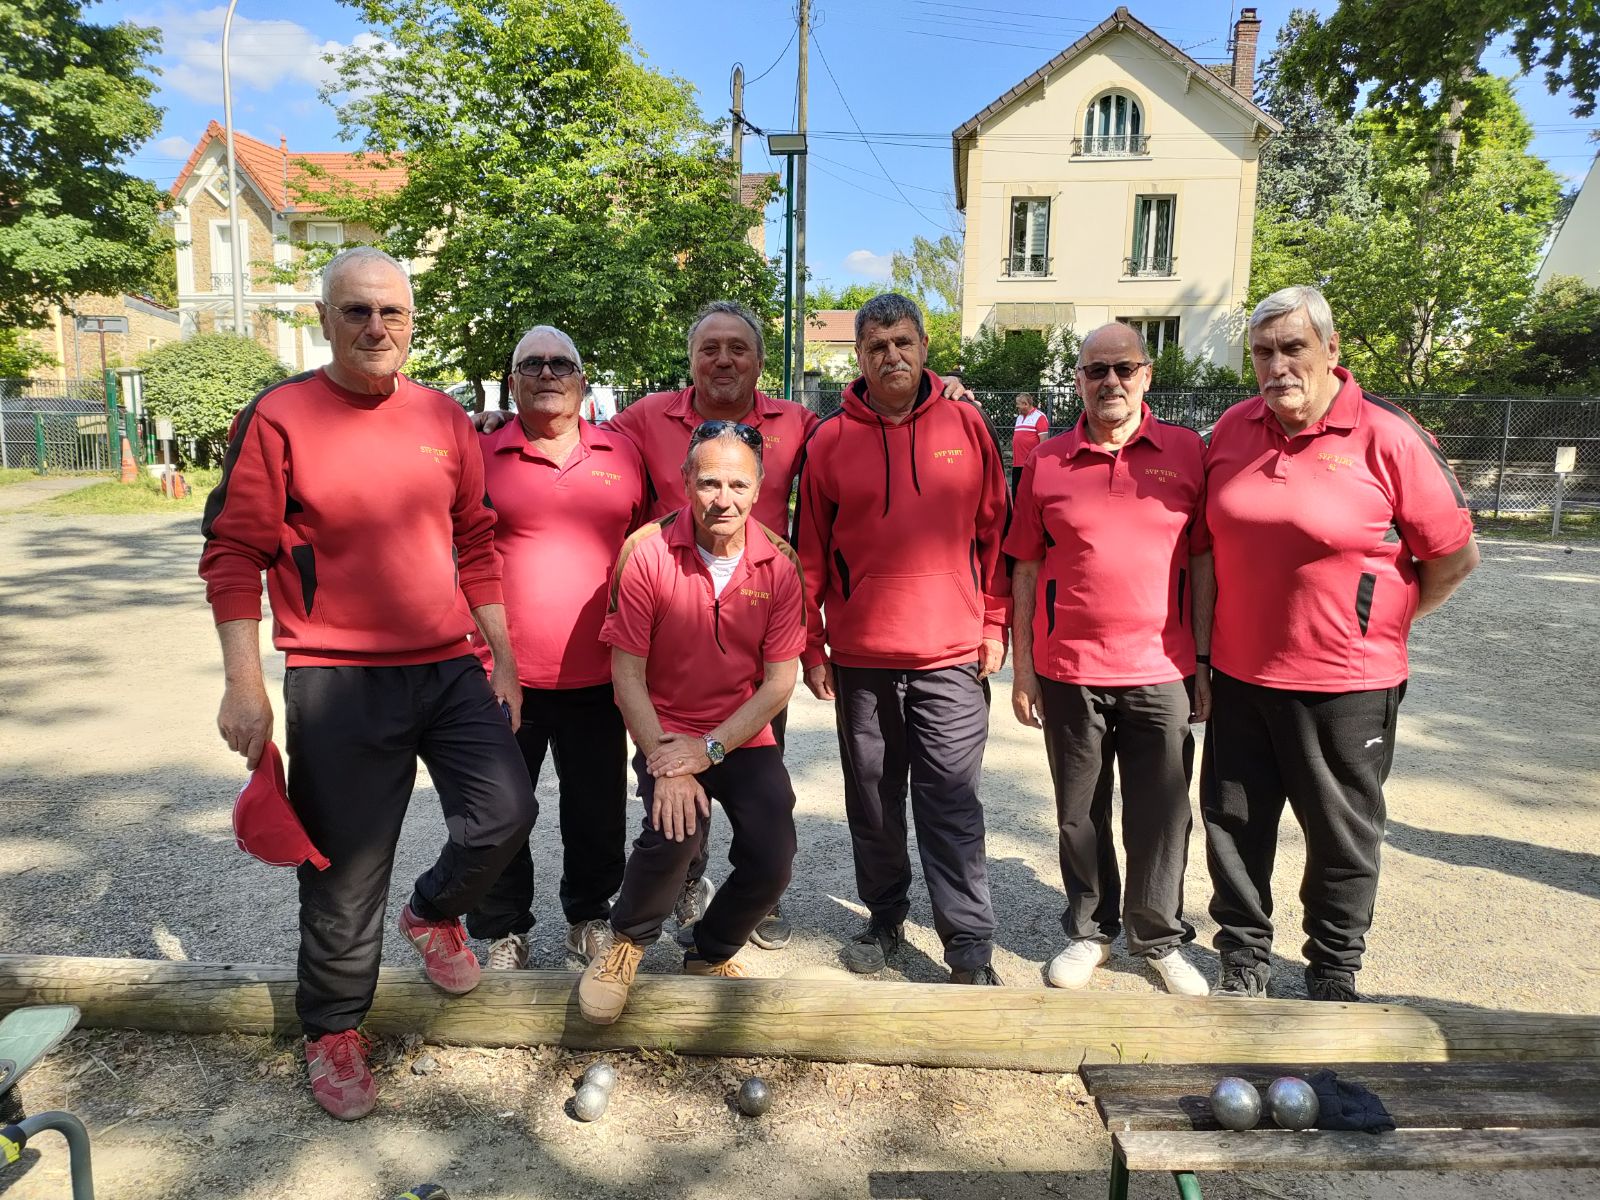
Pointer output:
1162, 474
948, 456
435, 451
754, 596
771, 439
1335, 461
609, 476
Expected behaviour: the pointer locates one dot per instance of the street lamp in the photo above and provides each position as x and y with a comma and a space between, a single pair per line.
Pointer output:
789, 146
233, 177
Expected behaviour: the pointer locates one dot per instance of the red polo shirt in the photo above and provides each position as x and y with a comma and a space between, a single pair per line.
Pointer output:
705, 655
559, 531
1030, 429
1113, 533
660, 424
1314, 537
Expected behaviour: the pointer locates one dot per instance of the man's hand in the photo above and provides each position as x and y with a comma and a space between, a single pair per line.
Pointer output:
820, 680
956, 390
1202, 695
489, 421
674, 806
245, 720
991, 657
678, 754
1026, 700
507, 689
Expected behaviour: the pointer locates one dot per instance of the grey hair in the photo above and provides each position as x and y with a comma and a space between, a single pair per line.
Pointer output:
726, 434
730, 308
1291, 299
888, 308
353, 257
559, 334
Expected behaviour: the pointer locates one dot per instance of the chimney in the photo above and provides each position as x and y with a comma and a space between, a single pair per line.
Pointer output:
1245, 32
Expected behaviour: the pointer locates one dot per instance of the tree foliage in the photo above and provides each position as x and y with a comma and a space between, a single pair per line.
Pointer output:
21, 356
822, 296
74, 103
1019, 359
550, 178
930, 273
203, 382
1556, 346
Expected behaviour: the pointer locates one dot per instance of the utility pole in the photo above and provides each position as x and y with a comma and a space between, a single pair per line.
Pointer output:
800, 212
236, 249
738, 133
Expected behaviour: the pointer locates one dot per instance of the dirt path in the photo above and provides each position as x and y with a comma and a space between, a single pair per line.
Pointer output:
117, 791
31, 491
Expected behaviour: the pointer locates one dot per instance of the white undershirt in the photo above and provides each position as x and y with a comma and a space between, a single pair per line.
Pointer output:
721, 568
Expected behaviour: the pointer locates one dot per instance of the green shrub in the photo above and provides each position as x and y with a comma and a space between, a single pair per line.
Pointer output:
201, 383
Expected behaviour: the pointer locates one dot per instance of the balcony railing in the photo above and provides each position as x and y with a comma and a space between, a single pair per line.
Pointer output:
1150, 266
1024, 266
1111, 145
221, 282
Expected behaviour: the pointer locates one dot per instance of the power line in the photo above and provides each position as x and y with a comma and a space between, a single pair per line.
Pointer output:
781, 55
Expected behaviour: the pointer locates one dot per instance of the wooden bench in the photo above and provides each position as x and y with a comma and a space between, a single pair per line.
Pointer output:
1449, 1117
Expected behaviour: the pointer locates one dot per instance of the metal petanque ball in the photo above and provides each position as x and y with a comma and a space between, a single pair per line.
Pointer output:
601, 1074
755, 1098
589, 1103
1236, 1104
1293, 1103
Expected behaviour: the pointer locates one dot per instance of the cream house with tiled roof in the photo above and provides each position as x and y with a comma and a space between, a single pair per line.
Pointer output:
1117, 182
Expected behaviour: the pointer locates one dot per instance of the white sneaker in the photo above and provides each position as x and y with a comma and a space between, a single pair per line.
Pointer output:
590, 939
1073, 966
509, 953
1179, 975
693, 901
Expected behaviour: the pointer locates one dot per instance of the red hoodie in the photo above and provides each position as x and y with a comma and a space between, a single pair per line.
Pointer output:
898, 530
364, 511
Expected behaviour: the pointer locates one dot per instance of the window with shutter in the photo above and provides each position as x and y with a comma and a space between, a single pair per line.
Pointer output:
1030, 236
1153, 227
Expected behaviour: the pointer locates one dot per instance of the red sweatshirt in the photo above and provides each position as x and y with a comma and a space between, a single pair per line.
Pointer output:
898, 530
366, 513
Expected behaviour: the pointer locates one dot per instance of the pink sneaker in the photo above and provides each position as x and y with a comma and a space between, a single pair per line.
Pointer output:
340, 1079
443, 947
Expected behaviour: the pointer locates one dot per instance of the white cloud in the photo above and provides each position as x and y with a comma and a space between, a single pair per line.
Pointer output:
174, 147
869, 265
263, 54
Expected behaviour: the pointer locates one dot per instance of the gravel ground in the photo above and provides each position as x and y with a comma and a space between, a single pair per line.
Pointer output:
118, 788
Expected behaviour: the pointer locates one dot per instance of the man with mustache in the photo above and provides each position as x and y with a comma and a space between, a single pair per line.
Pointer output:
902, 509
1335, 522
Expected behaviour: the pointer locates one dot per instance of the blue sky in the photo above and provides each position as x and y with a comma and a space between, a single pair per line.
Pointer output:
903, 73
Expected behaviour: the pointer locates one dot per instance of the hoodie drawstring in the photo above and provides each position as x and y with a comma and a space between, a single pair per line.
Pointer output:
884, 430
915, 482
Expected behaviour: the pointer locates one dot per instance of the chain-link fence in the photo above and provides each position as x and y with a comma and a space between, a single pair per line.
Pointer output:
65, 425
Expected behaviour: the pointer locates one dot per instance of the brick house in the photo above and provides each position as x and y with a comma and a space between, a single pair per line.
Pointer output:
77, 352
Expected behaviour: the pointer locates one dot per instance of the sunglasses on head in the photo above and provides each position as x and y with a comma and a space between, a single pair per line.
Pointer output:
1124, 370
533, 367
707, 430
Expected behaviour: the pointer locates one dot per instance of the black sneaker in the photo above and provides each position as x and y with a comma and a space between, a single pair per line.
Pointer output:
872, 948
1242, 977
774, 932
983, 976
1325, 984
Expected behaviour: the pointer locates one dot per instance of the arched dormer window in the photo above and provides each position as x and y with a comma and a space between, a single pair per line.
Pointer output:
1113, 126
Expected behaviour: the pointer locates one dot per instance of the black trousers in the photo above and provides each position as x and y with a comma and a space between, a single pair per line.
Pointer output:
753, 788
1145, 731
697, 868
583, 731
1328, 755
928, 727
354, 737
1016, 480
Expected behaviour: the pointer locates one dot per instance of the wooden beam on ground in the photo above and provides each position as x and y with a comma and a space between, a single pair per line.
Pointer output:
1406, 1150
833, 1020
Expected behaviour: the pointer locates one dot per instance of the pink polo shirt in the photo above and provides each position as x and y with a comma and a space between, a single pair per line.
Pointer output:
660, 424
1113, 533
1314, 537
558, 533
705, 655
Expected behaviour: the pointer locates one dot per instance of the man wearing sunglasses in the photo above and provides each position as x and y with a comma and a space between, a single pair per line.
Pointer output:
1109, 521
706, 622
903, 505
568, 494
360, 494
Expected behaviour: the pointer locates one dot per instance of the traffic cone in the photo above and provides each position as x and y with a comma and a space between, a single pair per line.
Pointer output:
180, 485
130, 469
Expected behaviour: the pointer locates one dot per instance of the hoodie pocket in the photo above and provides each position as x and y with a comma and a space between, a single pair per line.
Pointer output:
305, 562
907, 616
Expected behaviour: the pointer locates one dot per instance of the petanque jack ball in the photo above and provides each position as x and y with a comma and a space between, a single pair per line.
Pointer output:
1236, 1104
1293, 1103
755, 1098
589, 1103
602, 1075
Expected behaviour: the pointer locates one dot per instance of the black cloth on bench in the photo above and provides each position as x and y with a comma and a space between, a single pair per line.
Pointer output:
1349, 1106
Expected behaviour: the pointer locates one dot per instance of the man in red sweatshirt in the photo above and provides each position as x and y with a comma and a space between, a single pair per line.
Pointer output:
902, 510
361, 495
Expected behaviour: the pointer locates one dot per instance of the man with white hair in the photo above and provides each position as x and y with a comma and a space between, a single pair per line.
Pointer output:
567, 494
1335, 522
360, 494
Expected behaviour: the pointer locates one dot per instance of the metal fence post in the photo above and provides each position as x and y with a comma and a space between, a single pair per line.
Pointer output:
1500, 475
38, 443
1555, 520
113, 426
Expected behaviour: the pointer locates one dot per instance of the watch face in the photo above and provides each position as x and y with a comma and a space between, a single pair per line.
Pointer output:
714, 751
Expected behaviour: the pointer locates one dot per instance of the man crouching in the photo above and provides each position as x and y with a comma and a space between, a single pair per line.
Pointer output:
706, 624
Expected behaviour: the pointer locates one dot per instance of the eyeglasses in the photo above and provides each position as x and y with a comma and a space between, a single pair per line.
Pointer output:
393, 316
707, 430
533, 367
1124, 370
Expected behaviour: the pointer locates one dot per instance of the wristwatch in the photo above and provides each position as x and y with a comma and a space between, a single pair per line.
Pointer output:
715, 751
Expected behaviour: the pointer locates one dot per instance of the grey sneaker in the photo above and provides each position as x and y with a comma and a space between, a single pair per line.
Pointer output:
509, 953
871, 949
983, 976
774, 932
589, 940
1243, 977
1326, 984
693, 901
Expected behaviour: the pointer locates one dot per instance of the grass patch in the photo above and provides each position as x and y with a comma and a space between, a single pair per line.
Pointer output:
1582, 526
143, 495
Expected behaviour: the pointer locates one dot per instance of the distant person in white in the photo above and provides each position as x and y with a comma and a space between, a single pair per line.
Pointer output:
1031, 428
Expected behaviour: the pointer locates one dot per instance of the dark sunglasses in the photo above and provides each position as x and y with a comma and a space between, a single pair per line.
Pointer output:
707, 430
560, 368
392, 315
1124, 370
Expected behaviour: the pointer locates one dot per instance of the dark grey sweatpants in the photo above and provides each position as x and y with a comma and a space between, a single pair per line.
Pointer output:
1145, 730
929, 727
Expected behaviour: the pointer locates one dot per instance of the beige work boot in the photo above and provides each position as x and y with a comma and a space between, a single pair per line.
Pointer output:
603, 988
728, 968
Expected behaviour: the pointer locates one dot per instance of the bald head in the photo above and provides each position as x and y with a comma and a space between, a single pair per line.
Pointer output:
1115, 342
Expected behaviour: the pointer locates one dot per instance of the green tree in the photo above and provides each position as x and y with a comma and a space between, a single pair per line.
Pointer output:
1019, 359
550, 178
820, 296
1557, 343
74, 103
202, 383
21, 356
930, 273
